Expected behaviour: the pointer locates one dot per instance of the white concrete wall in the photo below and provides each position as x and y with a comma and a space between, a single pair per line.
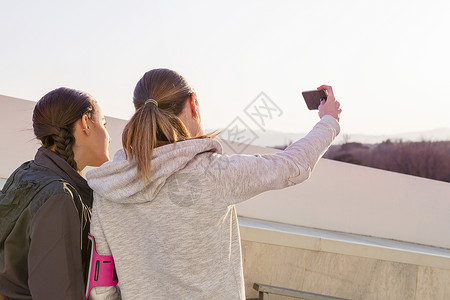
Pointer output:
338, 196
338, 275
360, 200
17, 141
341, 264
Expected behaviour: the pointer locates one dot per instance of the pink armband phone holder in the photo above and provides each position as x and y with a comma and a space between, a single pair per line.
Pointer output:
102, 271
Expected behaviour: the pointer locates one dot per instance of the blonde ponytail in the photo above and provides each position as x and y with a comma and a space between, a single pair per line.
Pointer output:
155, 123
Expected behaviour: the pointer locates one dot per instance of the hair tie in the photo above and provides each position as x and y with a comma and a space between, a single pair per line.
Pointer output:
152, 101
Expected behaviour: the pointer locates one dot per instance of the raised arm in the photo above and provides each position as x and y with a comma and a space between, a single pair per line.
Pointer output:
240, 177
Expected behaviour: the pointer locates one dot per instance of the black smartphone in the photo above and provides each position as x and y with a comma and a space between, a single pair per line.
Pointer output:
313, 98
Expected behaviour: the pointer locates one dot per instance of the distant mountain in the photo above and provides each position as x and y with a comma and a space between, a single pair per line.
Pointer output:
277, 138
440, 134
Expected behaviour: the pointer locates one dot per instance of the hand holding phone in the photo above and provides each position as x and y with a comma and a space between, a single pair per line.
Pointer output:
313, 98
331, 106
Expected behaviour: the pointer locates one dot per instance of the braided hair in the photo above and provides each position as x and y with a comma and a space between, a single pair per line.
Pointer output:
54, 118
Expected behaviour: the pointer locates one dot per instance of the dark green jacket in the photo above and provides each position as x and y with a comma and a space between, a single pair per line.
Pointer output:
42, 208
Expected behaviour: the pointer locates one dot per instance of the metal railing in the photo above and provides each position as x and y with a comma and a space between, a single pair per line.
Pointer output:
264, 291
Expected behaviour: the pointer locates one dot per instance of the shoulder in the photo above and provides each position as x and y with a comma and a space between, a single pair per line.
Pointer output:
56, 190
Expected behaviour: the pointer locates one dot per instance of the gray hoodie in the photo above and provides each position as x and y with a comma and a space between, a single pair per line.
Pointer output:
179, 237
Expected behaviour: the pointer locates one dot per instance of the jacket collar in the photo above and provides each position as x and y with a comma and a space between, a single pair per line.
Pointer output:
47, 158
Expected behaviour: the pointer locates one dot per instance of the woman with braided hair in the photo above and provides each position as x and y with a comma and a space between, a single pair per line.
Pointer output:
45, 205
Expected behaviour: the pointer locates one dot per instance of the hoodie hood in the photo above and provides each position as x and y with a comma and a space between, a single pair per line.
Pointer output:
117, 180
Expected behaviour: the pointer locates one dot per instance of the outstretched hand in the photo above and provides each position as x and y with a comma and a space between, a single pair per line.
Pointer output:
330, 106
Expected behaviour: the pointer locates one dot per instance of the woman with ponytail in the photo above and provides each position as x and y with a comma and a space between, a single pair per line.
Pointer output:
45, 205
164, 207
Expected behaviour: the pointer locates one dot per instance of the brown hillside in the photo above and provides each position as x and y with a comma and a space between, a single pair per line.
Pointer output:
424, 159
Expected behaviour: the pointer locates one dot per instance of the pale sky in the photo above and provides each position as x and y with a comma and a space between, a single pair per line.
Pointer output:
388, 61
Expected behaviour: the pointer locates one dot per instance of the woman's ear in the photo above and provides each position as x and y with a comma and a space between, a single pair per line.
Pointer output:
84, 124
193, 105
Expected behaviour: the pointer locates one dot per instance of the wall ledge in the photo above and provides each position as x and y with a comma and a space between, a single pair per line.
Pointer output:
343, 243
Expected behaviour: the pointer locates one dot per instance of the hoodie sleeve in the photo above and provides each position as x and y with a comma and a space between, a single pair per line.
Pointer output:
240, 177
102, 248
